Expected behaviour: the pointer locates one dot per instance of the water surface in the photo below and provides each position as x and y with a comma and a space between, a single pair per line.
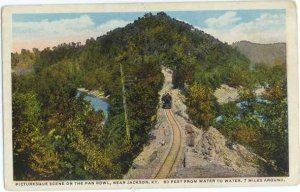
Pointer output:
97, 103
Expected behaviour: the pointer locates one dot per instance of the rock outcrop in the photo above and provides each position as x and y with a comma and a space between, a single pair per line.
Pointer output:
205, 153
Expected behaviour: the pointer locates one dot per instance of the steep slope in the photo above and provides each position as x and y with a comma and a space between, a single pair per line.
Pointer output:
269, 54
139, 50
204, 153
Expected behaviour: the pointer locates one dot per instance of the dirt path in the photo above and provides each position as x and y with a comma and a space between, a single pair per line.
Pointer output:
173, 154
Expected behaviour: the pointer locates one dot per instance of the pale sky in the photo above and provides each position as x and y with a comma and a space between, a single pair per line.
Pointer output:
48, 30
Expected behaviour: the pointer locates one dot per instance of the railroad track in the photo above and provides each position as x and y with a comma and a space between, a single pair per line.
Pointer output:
173, 153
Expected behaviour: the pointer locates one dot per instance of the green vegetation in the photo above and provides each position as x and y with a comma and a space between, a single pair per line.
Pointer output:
23, 62
201, 105
261, 123
49, 120
48, 116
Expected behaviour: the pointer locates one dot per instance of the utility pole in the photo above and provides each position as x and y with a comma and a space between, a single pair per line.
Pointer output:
127, 128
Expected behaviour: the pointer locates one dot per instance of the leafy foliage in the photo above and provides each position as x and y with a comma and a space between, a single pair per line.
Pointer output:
34, 157
260, 123
58, 135
201, 104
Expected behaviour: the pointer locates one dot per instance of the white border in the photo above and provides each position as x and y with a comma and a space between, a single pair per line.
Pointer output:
291, 53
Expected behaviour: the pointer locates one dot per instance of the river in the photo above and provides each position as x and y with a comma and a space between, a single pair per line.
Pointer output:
97, 103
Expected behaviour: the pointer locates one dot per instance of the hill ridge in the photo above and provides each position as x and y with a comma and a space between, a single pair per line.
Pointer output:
269, 54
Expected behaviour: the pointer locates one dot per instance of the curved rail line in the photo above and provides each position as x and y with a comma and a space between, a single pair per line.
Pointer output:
173, 153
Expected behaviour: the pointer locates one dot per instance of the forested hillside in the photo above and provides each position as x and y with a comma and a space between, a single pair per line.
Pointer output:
58, 135
267, 54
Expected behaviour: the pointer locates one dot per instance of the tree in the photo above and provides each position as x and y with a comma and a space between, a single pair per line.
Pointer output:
261, 125
34, 156
201, 104
276, 125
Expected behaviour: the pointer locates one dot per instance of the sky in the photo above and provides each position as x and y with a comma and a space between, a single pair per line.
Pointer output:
48, 30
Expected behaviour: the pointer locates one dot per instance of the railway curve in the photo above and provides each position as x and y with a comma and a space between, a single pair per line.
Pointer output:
174, 152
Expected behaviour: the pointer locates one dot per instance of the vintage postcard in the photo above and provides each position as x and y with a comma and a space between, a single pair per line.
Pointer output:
150, 95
